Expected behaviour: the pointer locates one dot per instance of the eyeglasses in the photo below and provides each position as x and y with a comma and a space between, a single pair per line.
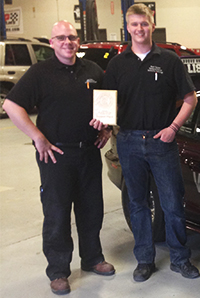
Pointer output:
64, 37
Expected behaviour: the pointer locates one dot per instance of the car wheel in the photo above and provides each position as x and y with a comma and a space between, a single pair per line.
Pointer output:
156, 211
3, 95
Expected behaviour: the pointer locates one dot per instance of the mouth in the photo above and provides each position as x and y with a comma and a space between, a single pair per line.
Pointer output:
140, 34
68, 50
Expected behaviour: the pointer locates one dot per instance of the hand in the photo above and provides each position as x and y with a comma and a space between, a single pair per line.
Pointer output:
97, 124
45, 149
166, 135
103, 138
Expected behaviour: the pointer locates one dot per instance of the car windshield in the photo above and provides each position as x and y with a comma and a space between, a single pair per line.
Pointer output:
100, 56
42, 52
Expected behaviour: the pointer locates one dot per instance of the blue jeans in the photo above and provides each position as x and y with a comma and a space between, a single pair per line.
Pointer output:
139, 155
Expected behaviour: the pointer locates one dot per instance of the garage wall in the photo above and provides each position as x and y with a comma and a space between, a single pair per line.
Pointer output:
112, 22
40, 15
179, 17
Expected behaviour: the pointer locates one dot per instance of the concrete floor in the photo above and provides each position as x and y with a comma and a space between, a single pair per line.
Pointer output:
22, 273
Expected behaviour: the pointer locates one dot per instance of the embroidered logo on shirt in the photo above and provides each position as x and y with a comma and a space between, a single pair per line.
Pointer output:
91, 81
156, 69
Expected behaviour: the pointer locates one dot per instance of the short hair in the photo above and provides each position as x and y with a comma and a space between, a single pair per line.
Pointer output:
140, 9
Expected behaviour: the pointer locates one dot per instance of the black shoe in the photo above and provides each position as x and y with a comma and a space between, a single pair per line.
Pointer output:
143, 271
187, 269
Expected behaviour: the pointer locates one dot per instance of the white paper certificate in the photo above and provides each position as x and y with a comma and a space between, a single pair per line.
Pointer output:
105, 106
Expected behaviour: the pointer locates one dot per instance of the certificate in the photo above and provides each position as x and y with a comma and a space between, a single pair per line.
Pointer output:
105, 106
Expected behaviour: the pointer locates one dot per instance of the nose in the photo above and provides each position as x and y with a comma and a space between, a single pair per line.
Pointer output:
139, 27
67, 40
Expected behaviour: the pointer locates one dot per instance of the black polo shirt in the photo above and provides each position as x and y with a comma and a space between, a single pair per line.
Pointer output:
148, 89
62, 96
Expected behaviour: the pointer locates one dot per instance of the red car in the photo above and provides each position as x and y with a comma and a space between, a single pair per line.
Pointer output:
103, 52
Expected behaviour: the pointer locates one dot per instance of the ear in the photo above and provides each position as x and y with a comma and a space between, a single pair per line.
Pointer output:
78, 42
153, 27
127, 27
51, 43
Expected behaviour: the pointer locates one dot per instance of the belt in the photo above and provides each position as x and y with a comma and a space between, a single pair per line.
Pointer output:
75, 145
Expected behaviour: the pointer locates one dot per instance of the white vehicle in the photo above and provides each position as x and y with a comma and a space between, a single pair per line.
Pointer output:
16, 56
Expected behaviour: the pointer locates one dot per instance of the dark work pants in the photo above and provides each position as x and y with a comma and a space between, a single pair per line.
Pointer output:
75, 178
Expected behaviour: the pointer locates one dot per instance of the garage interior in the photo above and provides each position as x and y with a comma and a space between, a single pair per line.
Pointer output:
22, 273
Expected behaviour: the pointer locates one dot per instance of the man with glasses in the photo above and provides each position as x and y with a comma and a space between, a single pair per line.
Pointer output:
67, 153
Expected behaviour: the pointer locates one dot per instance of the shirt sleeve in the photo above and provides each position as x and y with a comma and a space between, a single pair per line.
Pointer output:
25, 92
110, 79
183, 80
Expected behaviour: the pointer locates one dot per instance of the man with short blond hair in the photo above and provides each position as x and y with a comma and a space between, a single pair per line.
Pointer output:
149, 81
140, 9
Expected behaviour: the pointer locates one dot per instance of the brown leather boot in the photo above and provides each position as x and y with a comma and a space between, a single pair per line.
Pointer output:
102, 268
60, 286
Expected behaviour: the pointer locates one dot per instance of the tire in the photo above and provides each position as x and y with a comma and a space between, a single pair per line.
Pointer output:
158, 223
3, 94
